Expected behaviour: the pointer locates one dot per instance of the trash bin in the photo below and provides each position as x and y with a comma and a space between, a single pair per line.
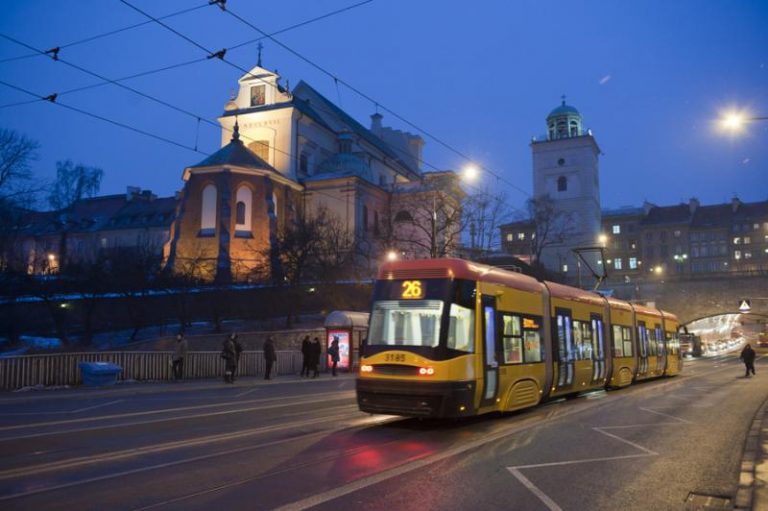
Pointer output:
99, 373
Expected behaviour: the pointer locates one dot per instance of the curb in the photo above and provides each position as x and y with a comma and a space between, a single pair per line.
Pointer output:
752, 493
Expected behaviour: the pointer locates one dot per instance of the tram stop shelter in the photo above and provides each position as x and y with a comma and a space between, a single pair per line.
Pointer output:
350, 328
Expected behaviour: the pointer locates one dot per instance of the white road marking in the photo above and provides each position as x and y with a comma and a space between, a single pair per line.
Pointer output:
551, 505
168, 446
636, 446
665, 415
247, 392
97, 406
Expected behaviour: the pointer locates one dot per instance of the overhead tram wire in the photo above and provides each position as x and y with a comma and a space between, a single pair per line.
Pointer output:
107, 34
53, 99
367, 97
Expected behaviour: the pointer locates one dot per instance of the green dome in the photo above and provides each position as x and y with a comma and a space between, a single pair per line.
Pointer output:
563, 109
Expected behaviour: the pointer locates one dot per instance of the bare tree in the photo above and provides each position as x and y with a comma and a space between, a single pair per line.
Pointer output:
552, 226
74, 182
484, 211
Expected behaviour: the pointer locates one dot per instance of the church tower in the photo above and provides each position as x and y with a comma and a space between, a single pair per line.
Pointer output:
565, 167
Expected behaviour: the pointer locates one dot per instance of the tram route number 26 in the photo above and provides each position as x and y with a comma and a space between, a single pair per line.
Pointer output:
412, 289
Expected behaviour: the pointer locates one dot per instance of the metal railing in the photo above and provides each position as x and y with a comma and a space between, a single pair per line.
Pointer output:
62, 368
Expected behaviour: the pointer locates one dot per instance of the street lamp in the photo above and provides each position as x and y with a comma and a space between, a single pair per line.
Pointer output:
735, 121
470, 173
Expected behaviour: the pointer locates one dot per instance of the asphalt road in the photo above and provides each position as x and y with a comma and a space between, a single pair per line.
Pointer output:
297, 444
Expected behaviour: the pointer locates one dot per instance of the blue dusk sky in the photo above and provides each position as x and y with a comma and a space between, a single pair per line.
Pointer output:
649, 78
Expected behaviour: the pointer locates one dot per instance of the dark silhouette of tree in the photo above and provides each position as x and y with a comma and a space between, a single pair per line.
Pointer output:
484, 211
552, 226
74, 182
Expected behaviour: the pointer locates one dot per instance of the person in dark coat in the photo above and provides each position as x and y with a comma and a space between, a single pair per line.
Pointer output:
333, 352
315, 356
269, 357
230, 355
306, 355
748, 356
179, 354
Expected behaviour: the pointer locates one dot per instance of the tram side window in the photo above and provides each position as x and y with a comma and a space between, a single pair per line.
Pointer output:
582, 339
460, 329
618, 341
627, 341
522, 339
651, 336
642, 338
673, 344
659, 340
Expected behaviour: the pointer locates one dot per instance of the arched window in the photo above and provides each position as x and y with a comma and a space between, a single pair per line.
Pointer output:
243, 210
403, 216
208, 211
562, 184
274, 204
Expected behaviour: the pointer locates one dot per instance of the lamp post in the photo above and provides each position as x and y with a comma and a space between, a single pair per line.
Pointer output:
735, 121
680, 259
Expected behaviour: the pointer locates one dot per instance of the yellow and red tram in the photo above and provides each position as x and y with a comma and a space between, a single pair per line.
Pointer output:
453, 338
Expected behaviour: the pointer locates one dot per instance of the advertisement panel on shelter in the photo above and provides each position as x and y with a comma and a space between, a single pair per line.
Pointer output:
343, 337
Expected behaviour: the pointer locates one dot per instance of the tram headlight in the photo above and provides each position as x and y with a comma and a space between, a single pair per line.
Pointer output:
365, 368
426, 371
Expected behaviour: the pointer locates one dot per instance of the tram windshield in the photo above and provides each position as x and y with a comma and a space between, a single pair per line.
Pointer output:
434, 317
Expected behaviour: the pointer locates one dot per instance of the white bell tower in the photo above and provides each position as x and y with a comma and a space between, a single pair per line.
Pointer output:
565, 167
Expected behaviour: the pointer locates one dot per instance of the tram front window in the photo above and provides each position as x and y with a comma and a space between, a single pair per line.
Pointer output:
406, 323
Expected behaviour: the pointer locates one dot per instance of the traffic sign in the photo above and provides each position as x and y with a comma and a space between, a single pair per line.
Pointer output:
745, 305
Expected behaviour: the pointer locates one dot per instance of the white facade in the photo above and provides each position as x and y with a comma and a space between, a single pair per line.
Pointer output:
565, 167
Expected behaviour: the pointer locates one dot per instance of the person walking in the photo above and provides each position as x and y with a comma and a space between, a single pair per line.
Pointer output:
269, 357
238, 351
333, 352
179, 354
314, 360
229, 354
306, 355
748, 356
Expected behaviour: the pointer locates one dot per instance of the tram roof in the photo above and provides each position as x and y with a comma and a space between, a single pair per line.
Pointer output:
575, 294
458, 269
642, 309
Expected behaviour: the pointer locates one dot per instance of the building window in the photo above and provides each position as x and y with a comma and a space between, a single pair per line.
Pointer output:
376, 231
649, 252
562, 184
747, 240
676, 234
258, 95
633, 263
565, 268
208, 211
633, 245
261, 149
747, 254
510, 237
274, 204
617, 264
737, 254
243, 209
521, 236
616, 229
303, 165
403, 216
737, 240
648, 236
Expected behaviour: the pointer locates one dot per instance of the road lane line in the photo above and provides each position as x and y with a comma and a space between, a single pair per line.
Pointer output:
97, 406
246, 392
157, 448
153, 421
665, 415
633, 444
551, 505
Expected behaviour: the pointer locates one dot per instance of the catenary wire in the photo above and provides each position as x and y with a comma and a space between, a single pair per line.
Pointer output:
107, 34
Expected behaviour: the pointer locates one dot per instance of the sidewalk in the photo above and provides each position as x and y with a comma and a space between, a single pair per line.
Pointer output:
753, 481
132, 387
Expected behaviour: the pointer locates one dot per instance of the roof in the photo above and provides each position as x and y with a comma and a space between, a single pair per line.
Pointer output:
236, 154
563, 109
668, 215
305, 105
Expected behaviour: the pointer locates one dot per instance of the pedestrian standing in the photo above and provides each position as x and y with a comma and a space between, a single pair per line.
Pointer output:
333, 352
238, 351
314, 361
229, 355
179, 355
269, 357
748, 356
306, 355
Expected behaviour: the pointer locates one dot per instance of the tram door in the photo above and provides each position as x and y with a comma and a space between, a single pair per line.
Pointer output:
661, 357
565, 350
642, 348
598, 349
490, 363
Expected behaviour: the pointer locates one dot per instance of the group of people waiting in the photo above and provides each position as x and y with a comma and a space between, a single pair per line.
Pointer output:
231, 350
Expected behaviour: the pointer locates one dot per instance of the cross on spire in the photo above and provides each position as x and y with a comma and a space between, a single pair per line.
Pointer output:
260, 46
563, 98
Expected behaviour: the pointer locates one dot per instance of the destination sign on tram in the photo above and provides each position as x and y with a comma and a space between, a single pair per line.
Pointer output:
412, 290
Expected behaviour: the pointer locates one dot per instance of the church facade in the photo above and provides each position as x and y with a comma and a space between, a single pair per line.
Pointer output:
287, 154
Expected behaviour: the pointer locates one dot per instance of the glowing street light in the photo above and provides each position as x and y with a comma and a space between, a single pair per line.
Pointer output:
391, 255
735, 121
602, 239
471, 173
